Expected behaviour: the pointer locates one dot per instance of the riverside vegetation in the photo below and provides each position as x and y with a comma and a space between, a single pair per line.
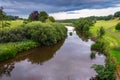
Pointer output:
105, 34
29, 36
37, 30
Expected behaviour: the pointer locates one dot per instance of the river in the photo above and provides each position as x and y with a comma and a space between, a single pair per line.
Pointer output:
70, 59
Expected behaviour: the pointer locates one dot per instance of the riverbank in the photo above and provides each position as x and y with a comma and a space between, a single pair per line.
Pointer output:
69, 58
27, 36
112, 41
111, 37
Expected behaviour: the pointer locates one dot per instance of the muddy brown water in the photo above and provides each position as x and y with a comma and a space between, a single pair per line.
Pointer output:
70, 59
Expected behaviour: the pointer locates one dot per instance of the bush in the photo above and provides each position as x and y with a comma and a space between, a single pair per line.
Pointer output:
100, 33
99, 46
117, 27
105, 72
45, 34
83, 25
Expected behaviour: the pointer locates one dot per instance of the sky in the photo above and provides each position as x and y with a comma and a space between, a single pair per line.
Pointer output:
61, 9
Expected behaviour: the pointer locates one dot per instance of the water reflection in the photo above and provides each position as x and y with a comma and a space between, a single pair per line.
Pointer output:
83, 36
70, 33
41, 55
94, 54
35, 56
6, 69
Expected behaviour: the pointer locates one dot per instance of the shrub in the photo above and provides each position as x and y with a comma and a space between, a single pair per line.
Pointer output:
83, 25
45, 34
105, 72
117, 27
100, 33
99, 46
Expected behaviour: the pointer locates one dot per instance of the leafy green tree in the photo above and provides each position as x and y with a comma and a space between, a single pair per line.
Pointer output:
33, 16
51, 19
117, 27
117, 14
100, 32
43, 16
83, 24
3, 17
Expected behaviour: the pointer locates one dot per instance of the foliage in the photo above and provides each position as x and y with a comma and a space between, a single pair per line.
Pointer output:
28, 36
11, 49
100, 32
117, 14
117, 27
99, 46
43, 16
33, 16
51, 19
105, 72
83, 24
45, 34
109, 17
2, 14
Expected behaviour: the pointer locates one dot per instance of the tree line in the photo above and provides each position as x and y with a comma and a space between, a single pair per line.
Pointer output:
4, 16
40, 16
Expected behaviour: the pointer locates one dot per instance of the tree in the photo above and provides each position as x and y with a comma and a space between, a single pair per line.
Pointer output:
100, 32
117, 27
117, 14
51, 19
33, 16
83, 24
1, 16
43, 16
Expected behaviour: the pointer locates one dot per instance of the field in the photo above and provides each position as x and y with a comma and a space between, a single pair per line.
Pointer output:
112, 37
13, 24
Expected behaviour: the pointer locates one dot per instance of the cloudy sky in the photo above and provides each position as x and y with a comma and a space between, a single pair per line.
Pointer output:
61, 9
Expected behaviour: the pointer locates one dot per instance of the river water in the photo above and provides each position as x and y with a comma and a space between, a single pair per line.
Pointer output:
70, 59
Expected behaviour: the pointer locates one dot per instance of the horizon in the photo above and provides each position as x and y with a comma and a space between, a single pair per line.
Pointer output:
60, 9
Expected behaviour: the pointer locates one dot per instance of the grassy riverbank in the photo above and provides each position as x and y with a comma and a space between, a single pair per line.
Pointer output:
111, 38
27, 36
8, 50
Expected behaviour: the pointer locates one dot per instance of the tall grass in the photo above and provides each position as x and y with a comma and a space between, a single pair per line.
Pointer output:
8, 50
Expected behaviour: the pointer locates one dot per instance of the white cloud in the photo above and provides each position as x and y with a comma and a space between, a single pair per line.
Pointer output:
118, 5
22, 16
11, 10
84, 13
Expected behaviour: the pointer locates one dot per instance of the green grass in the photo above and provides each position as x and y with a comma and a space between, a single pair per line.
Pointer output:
14, 23
112, 37
105, 24
8, 50
115, 53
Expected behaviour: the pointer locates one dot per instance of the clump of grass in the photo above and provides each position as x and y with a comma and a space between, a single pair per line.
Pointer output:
11, 49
